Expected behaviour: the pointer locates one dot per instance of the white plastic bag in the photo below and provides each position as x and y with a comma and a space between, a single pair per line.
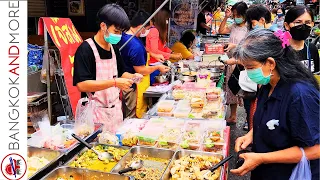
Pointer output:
302, 170
84, 124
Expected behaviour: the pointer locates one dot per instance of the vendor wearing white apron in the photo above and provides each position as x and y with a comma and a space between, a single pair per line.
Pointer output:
98, 66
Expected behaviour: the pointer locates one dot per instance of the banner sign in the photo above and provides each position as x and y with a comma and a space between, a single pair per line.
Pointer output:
184, 17
67, 39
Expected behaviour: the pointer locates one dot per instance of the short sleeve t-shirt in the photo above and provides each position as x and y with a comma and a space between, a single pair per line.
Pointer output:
178, 47
85, 62
133, 54
312, 54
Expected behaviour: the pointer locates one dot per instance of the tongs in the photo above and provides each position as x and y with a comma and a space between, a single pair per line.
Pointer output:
213, 168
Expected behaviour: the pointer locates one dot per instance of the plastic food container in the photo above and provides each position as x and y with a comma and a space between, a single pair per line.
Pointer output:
182, 113
213, 147
149, 135
183, 104
165, 106
190, 140
168, 145
179, 94
129, 139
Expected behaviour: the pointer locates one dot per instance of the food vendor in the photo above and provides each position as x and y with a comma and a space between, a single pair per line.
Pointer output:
135, 57
287, 114
156, 41
202, 27
299, 22
99, 68
184, 45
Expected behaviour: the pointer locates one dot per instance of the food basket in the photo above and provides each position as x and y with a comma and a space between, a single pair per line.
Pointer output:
155, 161
83, 174
183, 153
53, 158
87, 159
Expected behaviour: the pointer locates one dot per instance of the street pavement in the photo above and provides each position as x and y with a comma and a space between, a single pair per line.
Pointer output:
237, 131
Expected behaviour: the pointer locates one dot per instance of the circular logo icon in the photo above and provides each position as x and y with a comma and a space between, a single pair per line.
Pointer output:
13, 166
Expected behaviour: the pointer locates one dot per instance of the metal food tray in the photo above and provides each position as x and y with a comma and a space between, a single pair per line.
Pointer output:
83, 174
149, 151
180, 153
84, 149
53, 156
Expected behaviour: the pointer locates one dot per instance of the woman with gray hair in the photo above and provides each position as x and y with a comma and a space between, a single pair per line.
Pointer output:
286, 120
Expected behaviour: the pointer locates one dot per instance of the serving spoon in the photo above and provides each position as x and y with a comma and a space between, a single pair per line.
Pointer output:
101, 155
133, 166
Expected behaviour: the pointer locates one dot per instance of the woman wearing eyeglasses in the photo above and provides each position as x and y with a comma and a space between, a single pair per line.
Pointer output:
299, 21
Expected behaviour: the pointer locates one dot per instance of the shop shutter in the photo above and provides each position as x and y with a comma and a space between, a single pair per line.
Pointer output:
36, 8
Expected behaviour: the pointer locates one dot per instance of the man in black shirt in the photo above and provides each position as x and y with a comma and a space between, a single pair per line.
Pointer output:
201, 21
99, 68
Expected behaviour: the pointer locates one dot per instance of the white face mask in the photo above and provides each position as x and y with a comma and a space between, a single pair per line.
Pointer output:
145, 34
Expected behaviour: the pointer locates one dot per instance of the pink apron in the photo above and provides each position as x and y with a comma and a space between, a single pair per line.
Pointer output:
108, 110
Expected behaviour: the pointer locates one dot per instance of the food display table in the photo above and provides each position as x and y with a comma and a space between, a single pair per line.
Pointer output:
191, 128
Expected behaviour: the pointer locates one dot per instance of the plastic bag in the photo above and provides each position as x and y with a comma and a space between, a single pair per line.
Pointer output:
84, 124
302, 170
108, 138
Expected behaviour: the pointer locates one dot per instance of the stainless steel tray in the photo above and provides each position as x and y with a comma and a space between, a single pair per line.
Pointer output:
53, 156
83, 174
150, 151
67, 163
180, 153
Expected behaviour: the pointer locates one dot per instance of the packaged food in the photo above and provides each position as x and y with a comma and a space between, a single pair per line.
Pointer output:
168, 145
197, 103
165, 106
191, 138
178, 94
165, 114
182, 113
183, 104
210, 146
108, 138
149, 136
196, 113
129, 139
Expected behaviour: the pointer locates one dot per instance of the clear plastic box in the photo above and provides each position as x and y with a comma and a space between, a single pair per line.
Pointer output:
179, 94
129, 138
183, 104
213, 147
182, 112
165, 106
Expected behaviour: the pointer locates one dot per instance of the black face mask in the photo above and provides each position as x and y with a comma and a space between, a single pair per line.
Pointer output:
300, 32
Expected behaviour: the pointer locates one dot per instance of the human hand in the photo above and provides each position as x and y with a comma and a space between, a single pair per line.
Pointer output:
251, 161
163, 69
123, 83
228, 13
176, 56
137, 78
243, 142
159, 57
230, 46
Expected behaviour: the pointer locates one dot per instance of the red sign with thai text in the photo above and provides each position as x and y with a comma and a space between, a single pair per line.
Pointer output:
67, 39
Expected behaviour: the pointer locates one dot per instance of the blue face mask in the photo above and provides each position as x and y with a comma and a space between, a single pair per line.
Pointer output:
112, 38
238, 20
279, 15
256, 75
258, 27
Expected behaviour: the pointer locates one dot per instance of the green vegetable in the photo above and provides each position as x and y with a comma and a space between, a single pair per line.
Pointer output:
163, 143
142, 175
191, 116
184, 144
209, 145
